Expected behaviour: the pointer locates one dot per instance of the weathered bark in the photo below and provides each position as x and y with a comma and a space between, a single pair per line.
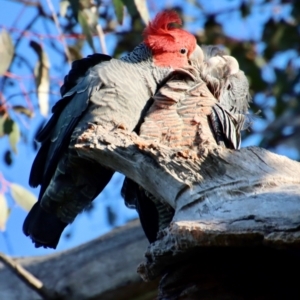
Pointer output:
104, 268
235, 233
247, 198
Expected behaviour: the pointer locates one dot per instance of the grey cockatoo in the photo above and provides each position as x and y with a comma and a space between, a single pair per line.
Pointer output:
192, 110
99, 89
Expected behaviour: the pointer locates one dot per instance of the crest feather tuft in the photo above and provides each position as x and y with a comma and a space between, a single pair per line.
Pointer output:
166, 40
162, 33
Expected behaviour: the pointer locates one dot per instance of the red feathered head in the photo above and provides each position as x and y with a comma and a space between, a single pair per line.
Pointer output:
170, 46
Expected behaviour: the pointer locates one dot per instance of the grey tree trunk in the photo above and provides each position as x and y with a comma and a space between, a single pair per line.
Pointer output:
235, 233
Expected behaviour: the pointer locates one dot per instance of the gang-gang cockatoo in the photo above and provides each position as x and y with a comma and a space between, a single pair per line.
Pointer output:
99, 89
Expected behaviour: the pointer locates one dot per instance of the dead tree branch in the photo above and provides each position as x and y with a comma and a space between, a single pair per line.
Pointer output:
235, 233
30, 280
104, 268
247, 199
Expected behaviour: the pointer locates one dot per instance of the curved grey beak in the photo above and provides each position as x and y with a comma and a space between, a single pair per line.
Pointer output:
197, 56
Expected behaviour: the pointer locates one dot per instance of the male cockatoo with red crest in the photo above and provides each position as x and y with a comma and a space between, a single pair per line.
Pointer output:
99, 89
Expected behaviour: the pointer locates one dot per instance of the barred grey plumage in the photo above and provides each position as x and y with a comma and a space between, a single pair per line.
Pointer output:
188, 113
98, 90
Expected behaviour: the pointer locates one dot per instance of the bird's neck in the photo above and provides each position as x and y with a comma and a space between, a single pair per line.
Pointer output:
141, 59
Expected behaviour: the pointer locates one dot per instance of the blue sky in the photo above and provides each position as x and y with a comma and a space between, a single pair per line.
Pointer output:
87, 225
90, 225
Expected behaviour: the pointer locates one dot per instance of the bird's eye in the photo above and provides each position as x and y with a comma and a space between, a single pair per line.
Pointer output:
183, 50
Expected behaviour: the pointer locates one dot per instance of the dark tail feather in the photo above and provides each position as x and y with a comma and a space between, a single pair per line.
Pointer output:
43, 228
135, 197
74, 185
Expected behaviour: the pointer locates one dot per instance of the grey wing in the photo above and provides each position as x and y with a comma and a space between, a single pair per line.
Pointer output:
55, 136
79, 68
226, 127
232, 110
45, 227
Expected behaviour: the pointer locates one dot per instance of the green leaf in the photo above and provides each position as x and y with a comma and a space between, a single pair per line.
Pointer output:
86, 29
4, 212
119, 10
8, 125
75, 8
142, 8
131, 7
10, 128
260, 61
22, 197
42, 78
14, 137
2, 120
86, 4
213, 31
7, 157
6, 51
23, 110
245, 9
91, 17
63, 7
75, 52
137, 7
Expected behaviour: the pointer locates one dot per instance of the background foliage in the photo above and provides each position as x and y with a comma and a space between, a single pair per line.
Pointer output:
42, 38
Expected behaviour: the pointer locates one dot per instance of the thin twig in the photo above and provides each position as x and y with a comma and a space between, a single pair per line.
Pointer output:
101, 38
62, 38
30, 280
77, 36
3, 107
28, 3
17, 19
26, 97
57, 94
19, 39
4, 184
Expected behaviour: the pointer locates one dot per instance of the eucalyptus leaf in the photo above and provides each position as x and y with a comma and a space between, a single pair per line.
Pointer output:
14, 137
7, 158
2, 120
10, 128
4, 212
75, 8
137, 7
6, 51
63, 7
142, 9
42, 78
86, 29
22, 196
119, 10
23, 110
131, 7
75, 52
8, 125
